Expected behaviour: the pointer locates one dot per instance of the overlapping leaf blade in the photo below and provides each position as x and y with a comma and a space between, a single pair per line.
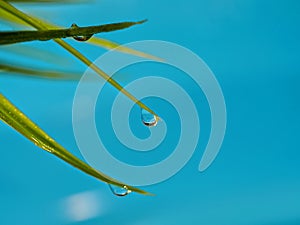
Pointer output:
12, 116
16, 119
104, 43
12, 37
40, 73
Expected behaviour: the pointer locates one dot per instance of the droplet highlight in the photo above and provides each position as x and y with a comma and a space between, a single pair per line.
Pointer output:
80, 38
119, 191
148, 118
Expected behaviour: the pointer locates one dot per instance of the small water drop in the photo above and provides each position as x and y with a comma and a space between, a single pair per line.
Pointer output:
119, 191
80, 38
148, 118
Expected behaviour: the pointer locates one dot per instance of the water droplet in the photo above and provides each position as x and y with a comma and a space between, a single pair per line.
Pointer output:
119, 191
80, 38
148, 118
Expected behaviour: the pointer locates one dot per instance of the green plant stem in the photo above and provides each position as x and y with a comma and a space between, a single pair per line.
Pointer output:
41, 26
11, 37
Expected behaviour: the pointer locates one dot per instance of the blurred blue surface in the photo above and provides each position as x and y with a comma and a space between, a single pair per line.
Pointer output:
253, 49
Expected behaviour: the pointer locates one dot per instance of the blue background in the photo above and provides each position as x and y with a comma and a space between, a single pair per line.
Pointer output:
253, 49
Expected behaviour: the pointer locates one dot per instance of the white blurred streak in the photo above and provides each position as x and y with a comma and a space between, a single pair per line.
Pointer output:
82, 206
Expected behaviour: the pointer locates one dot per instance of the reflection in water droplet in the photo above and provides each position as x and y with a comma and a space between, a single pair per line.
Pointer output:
119, 191
80, 38
148, 118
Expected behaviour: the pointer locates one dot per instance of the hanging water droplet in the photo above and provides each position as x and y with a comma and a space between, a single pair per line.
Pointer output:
148, 118
80, 38
119, 191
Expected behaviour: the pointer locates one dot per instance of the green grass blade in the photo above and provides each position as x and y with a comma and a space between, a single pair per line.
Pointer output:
100, 42
11, 37
7, 17
38, 73
37, 54
21, 123
48, 1
16, 119
40, 25
107, 44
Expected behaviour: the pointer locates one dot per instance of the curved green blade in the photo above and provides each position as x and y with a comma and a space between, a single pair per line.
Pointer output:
12, 116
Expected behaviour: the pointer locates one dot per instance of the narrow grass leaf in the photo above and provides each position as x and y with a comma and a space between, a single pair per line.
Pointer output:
38, 73
37, 54
11, 37
40, 25
100, 42
13, 117
16, 119
48, 1
107, 44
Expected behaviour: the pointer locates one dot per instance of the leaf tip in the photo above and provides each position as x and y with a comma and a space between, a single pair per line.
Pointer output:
142, 21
